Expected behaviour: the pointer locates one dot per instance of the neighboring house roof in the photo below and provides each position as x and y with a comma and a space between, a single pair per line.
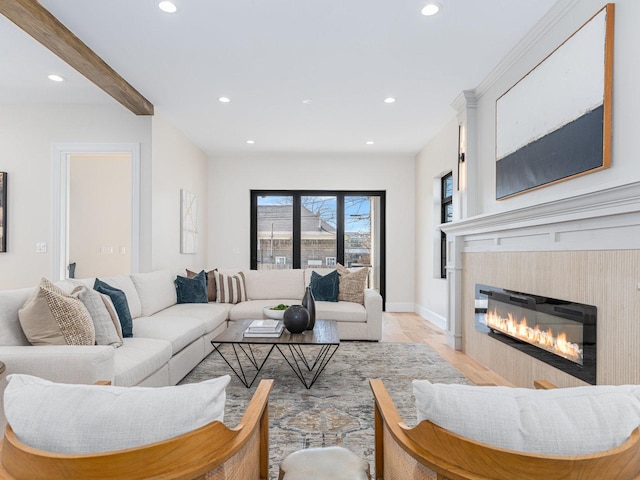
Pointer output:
280, 216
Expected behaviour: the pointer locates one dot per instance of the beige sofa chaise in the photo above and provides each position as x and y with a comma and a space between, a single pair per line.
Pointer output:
169, 339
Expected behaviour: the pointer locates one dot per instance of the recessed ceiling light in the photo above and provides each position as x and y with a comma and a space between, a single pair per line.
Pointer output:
251, 142
390, 100
307, 101
168, 7
369, 142
55, 78
430, 9
224, 99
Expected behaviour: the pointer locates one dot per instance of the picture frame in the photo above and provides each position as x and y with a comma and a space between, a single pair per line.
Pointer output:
554, 124
188, 222
3, 212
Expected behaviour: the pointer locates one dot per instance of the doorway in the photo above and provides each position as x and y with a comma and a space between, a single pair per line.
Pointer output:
96, 210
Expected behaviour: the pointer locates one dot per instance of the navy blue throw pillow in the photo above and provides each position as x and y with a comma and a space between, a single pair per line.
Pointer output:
192, 290
325, 288
119, 299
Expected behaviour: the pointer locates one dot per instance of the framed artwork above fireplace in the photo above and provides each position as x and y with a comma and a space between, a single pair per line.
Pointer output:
555, 123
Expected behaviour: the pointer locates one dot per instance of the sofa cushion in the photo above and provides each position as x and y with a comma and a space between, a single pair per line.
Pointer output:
352, 284
563, 421
211, 283
179, 331
125, 283
230, 288
11, 333
155, 291
211, 314
270, 284
78, 419
192, 290
106, 333
52, 317
139, 358
325, 288
341, 311
119, 299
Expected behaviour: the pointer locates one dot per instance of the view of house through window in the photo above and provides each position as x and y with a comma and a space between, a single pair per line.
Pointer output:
302, 229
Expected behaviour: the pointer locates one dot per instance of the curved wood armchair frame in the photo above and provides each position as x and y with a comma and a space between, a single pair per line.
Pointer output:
428, 451
212, 451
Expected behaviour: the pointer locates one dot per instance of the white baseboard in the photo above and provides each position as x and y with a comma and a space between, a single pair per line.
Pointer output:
438, 320
398, 307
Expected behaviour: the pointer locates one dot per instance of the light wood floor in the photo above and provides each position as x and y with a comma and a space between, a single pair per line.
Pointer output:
412, 328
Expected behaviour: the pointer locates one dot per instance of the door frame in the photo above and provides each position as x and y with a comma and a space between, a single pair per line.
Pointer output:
60, 201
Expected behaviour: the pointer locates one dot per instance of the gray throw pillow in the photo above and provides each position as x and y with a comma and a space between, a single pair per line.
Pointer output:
106, 333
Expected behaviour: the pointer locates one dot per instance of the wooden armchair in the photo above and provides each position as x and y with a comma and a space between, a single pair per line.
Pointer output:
430, 452
213, 451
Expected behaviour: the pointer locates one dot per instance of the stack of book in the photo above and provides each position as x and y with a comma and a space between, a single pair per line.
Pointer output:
264, 328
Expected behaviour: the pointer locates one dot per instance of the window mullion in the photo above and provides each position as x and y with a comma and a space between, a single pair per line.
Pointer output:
340, 228
297, 226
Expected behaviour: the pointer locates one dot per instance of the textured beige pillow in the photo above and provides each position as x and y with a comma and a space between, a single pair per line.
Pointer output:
211, 283
53, 317
352, 284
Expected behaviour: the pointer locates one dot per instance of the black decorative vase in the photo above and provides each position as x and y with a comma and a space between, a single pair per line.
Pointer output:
309, 303
295, 319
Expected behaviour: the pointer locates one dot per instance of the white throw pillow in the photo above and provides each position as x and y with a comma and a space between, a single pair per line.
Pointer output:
77, 419
562, 421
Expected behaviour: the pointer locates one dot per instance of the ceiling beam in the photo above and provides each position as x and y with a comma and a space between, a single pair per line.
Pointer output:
38, 22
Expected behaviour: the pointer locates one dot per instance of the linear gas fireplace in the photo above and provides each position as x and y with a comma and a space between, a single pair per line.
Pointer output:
558, 332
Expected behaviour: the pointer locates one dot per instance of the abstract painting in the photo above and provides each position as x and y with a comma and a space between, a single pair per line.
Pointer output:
188, 222
555, 123
3, 212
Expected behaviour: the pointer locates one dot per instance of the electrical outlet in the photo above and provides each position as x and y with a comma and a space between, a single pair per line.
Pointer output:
41, 247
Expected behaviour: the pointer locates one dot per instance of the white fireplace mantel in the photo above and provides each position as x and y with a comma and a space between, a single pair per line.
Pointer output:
602, 220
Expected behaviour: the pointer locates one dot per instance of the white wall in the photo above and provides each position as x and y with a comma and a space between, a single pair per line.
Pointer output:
26, 135
436, 159
177, 164
232, 179
625, 167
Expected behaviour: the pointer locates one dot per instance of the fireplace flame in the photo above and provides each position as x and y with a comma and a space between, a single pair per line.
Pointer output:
558, 344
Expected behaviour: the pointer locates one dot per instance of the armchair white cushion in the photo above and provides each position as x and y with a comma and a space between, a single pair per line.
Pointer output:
563, 421
65, 418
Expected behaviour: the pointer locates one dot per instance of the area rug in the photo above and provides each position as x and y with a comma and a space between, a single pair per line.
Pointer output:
338, 409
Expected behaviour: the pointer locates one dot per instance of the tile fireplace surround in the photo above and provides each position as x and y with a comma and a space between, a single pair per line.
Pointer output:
584, 249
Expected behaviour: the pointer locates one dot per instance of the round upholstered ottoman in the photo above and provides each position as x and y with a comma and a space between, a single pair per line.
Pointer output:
328, 463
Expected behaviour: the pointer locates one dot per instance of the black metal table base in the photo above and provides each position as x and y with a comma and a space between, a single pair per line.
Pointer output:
292, 353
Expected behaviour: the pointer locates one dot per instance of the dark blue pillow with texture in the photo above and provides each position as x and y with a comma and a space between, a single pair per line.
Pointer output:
119, 299
325, 288
192, 290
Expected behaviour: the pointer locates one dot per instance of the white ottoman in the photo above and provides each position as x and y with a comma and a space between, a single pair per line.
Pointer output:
328, 463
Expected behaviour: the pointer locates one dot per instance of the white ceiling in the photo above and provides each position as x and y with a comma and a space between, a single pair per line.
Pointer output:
269, 55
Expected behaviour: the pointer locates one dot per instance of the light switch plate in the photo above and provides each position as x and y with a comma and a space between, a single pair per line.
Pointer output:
41, 247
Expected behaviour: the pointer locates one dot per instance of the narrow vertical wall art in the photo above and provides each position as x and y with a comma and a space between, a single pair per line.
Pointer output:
3, 212
555, 123
188, 222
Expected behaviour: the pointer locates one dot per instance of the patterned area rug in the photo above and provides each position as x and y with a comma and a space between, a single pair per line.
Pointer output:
338, 409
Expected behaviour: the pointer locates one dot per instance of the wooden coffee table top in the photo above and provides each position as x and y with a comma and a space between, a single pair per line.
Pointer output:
325, 332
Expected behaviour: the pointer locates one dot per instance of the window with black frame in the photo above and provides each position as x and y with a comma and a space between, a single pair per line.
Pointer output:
318, 229
446, 216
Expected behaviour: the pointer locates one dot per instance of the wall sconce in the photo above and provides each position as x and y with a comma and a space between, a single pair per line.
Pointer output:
461, 158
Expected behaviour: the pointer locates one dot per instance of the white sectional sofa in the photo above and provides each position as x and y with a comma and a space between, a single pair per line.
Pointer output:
169, 339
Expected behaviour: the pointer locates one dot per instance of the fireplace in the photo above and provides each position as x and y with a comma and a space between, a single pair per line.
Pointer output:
558, 332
